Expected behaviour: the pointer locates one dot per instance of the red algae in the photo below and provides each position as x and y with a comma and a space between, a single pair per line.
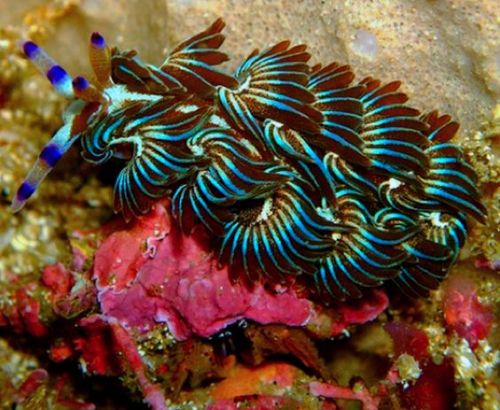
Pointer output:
96, 347
408, 339
361, 394
464, 313
434, 387
434, 390
60, 351
260, 402
33, 382
484, 263
181, 285
57, 279
245, 381
23, 312
34, 393
152, 393
147, 276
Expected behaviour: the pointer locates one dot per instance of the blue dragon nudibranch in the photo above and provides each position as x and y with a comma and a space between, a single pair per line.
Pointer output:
296, 169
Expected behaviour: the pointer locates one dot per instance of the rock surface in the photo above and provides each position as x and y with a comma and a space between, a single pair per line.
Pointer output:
447, 53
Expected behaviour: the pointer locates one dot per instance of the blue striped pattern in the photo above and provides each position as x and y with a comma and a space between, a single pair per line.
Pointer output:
273, 84
392, 132
294, 170
450, 179
364, 255
228, 171
342, 110
192, 63
281, 234
432, 250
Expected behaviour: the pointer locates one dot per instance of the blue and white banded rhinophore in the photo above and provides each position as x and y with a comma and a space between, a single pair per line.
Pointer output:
298, 170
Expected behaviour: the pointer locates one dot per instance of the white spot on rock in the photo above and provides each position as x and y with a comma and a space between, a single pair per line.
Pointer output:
365, 44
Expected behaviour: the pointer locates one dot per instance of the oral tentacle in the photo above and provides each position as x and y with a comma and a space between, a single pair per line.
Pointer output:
46, 161
100, 59
85, 91
58, 76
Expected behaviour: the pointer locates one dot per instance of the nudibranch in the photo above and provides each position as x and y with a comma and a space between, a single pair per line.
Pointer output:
296, 170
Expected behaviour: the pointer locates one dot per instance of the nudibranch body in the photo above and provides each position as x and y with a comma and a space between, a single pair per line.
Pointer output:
298, 170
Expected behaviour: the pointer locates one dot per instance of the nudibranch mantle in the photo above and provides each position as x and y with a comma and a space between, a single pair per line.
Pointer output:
298, 170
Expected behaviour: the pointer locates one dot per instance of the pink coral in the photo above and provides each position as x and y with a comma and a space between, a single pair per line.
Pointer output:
330, 322
464, 313
181, 285
153, 394
149, 273
23, 312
